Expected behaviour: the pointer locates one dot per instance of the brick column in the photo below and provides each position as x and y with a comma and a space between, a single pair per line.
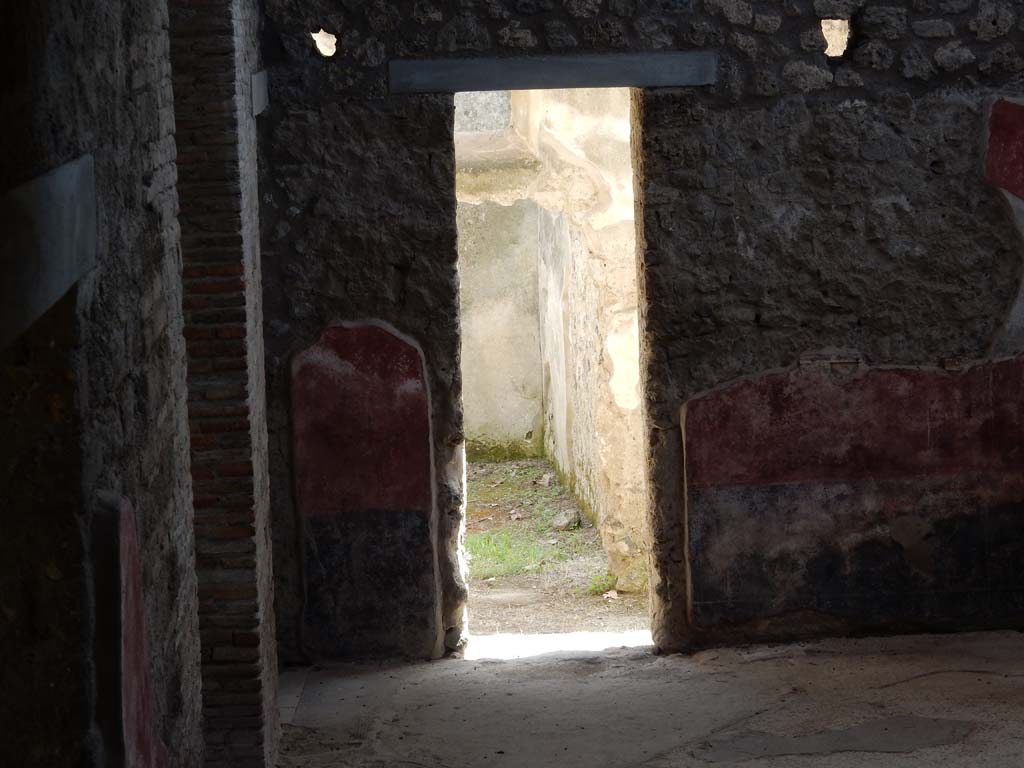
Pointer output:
214, 52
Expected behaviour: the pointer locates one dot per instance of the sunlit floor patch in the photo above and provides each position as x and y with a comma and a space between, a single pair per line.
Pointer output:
510, 646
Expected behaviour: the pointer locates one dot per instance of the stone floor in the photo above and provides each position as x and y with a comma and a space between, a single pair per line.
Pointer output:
949, 701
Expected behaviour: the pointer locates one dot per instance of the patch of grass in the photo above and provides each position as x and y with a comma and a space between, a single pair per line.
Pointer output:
513, 484
500, 553
500, 544
601, 583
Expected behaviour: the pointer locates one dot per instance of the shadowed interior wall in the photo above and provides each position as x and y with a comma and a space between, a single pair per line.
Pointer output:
365, 233
918, 470
363, 489
94, 395
800, 204
815, 229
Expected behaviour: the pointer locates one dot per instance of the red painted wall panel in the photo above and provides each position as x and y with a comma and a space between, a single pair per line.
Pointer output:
1005, 164
142, 746
807, 425
361, 424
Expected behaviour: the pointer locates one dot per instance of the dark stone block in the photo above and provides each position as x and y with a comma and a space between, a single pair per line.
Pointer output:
368, 592
898, 554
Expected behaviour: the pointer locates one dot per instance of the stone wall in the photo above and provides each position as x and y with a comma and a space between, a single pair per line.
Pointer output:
86, 78
801, 203
501, 366
852, 221
358, 223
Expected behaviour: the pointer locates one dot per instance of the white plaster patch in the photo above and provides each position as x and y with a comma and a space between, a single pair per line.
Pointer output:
837, 35
410, 387
326, 359
623, 345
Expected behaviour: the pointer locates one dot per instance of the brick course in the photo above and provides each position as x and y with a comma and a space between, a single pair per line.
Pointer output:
213, 48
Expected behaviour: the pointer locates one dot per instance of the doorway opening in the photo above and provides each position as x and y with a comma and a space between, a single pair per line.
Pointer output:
556, 496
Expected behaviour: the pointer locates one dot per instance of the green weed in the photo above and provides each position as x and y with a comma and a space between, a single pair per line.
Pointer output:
601, 583
500, 553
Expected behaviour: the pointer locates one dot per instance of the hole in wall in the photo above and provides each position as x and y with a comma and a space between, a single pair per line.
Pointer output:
837, 35
326, 43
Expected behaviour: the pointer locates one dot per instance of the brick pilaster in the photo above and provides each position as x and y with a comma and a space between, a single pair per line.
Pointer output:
213, 51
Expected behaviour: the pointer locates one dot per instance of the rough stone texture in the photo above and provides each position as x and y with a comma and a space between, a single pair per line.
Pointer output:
918, 470
874, 54
807, 77
215, 52
916, 64
775, 254
248, 32
885, 22
368, 231
954, 56
847, 216
734, 11
934, 28
370, 35
837, 9
993, 20
1001, 60
364, 493
502, 375
88, 78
